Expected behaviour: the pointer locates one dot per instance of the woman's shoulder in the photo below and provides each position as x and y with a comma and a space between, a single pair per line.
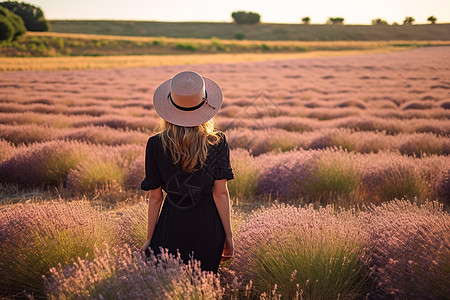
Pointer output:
154, 140
222, 144
222, 137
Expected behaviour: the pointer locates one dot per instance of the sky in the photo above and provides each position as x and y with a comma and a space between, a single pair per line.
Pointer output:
271, 11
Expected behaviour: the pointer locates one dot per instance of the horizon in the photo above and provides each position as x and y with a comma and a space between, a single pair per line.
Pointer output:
230, 22
354, 12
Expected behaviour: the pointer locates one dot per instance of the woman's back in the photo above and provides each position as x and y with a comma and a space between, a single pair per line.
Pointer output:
189, 217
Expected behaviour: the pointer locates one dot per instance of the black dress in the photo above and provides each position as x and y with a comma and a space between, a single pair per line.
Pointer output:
189, 221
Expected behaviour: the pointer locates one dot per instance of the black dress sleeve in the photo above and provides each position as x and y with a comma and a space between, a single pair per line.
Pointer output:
222, 169
152, 175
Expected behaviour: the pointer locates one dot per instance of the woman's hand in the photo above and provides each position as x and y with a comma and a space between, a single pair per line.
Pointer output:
227, 248
145, 246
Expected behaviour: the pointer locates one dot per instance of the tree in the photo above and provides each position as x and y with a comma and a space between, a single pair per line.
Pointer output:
32, 16
306, 20
11, 25
432, 19
242, 17
335, 21
379, 22
408, 21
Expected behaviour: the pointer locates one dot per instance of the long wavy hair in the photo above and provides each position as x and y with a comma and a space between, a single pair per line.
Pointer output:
188, 146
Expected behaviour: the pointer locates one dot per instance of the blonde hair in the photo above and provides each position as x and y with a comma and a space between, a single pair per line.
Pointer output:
188, 146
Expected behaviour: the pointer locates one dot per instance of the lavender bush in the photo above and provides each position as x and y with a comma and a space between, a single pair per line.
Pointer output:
126, 275
409, 250
96, 174
300, 249
135, 174
246, 174
392, 179
6, 150
333, 175
133, 224
47, 163
35, 237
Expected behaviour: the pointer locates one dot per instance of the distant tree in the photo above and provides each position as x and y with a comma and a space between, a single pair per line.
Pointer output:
408, 21
11, 25
379, 22
243, 17
432, 19
239, 36
395, 23
32, 16
306, 20
335, 21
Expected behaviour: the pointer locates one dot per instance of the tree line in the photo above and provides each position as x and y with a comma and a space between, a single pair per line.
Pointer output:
18, 17
243, 17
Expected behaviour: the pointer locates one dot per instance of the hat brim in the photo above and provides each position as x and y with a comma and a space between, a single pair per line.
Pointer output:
171, 114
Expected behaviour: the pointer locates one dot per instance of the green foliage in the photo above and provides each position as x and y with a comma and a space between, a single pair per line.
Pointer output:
432, 19
11, 25
134, 225
408, 21
217, 46
246, 174
32, 16
6, 29
335, 21
265, 47
322, 269
243, 17
379, 21
333, 177
161, 41
239, 36
306, 20
186, 46
91, 176
395, 181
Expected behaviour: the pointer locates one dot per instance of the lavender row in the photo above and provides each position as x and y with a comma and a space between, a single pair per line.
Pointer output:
258, 141
395, 250
326, 175
300, 124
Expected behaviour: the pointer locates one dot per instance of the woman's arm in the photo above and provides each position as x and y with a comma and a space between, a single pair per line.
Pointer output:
222, 201
154, 206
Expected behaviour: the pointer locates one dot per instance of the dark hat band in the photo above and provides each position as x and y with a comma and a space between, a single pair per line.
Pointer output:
192, 107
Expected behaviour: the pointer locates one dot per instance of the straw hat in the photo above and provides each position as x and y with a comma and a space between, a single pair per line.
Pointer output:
187, 99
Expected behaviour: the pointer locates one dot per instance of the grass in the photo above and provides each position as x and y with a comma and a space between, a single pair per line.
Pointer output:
327, 269
264, 31
35, 44
62, 51
133, 61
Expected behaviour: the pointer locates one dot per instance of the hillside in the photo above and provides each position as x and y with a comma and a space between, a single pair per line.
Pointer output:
255, 32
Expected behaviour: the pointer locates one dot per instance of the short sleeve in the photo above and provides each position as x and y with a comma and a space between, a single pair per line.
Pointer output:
222, 169
152, 175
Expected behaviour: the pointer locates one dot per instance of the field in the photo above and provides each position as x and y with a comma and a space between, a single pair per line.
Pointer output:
264, 31
321, 148
38, 44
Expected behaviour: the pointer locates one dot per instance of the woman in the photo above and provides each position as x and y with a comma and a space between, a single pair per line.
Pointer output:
190, 161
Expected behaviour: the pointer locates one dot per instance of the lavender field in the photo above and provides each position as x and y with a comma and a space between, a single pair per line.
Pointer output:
342, 174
